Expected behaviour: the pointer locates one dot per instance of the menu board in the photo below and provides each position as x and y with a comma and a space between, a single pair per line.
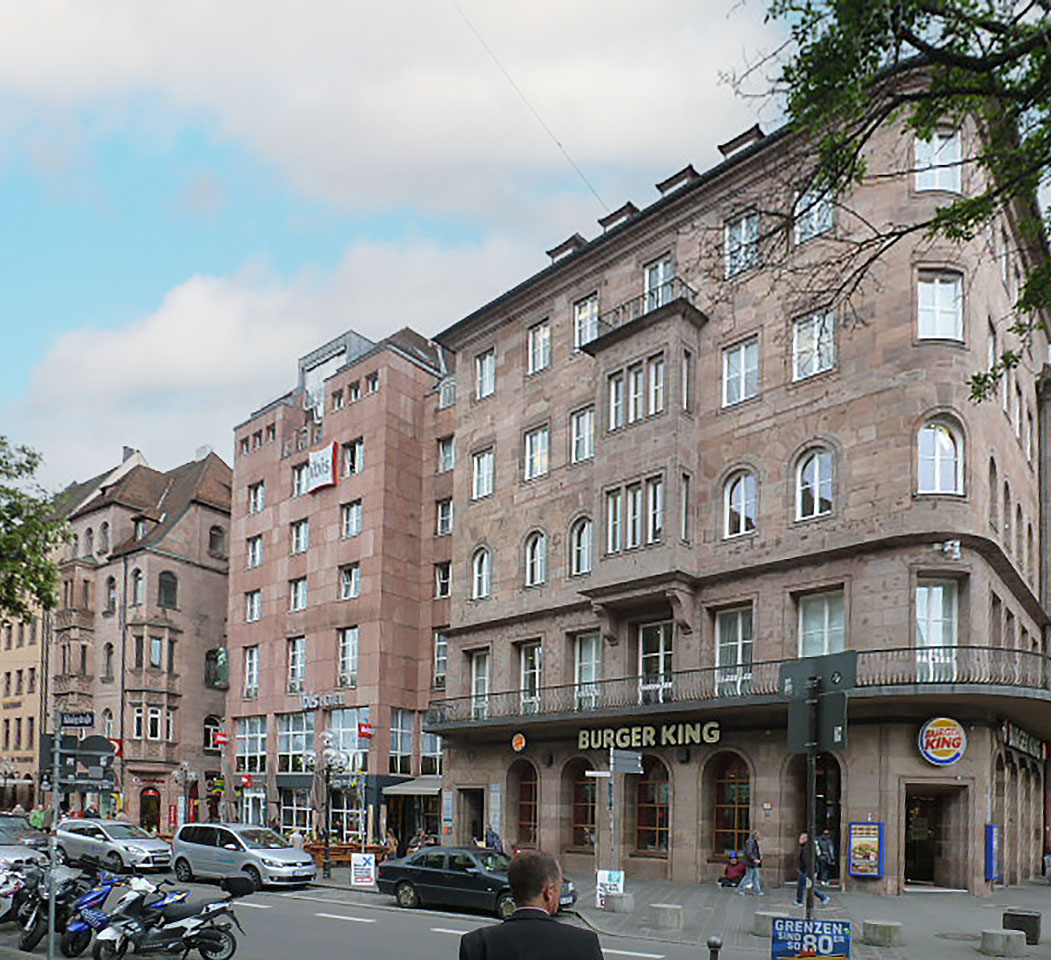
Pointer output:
865, 850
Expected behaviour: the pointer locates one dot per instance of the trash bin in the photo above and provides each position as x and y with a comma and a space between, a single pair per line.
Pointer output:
1028, 921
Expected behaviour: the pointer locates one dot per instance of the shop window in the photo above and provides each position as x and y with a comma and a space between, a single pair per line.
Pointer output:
732, 796
525, 790
652, 808
582, 805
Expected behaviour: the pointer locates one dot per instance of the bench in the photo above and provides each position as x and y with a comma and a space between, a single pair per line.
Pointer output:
619, 902
882, 933
667, 916
1002, 943
763, 922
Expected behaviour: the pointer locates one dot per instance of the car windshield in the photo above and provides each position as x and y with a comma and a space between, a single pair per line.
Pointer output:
262, 840
10, 835
126, 831
494, 862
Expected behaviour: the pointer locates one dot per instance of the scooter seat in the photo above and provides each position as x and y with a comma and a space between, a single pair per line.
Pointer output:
180, 911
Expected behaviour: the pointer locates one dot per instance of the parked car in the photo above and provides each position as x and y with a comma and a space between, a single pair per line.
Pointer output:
15, 850
114, 843
456, 877
13, 824
238, 850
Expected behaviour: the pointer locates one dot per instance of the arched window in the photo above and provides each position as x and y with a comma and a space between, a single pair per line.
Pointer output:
211, 728
481, 574
582, 803
107, 661
217, 541
137, 594
994, 495
167, 590
1005, 529
1019, 534
525, 792
89, 542
652, 807
739, 504
535, 559
940, 463
104, 537
107, 722
580, 547
732, 802
111, 594
814, 485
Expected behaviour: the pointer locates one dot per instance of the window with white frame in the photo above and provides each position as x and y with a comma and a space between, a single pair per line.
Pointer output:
348, 656
939, 458
614, 521
741, 371
587, 650
814, 484
372, 382
156, 651
733, 651
636, 388
297, 594
351, 515
658, 277
296, 810
940, 306
654, 509
169, 725
655, 662
447, 393
585, 321
482, 466
821, 624
936, 630
251, 672
153, 723
441, 658
537, 447
686, 380
813, 214
350, 581
443, 575
344, 725
655, 381
297, 663
300, 477
253, 605
739, 504
254, 551
742, 243
250, 744
633, 524
256, 497
813, 344
443, 517
530, 658
352, 456
485, 374
446, 454
431, 755
616, 401
539, 347
580, 547
300, 536
401, 737
535, 559
481, 574
337, 399
582, 423
480, 684
938, 161
295, 741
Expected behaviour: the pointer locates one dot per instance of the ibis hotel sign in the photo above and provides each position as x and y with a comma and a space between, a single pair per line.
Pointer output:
649, 735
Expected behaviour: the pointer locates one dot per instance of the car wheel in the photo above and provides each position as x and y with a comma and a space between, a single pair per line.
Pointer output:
114, 863
406, 895
183, 873
255, 877
505, 905
60, 856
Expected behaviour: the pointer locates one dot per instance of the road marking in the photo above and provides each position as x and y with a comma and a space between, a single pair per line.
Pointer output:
458, 933
340, 916
256, 906
631, 953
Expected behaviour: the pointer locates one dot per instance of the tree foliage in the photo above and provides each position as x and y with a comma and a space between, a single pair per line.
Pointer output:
852, 66
29, 532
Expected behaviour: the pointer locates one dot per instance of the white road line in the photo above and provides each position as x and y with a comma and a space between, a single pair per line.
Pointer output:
340, 916
631, 953
256, 906
458, 933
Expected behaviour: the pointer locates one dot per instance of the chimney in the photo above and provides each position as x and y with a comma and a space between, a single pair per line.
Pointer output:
128, 453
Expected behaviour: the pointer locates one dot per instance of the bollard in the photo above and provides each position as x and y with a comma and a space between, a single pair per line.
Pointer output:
714, 946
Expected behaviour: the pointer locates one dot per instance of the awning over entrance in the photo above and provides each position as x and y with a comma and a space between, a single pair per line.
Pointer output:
420, 787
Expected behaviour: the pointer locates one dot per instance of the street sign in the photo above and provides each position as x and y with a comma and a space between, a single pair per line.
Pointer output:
221, 739
118, 746
836, 671
625, 761
831, 723
795, 939
364, 731
363, 870
78, 718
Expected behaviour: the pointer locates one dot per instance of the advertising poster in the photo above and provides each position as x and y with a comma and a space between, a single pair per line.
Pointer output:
794, 939
993, 853
606, 882
363, 869
865, 850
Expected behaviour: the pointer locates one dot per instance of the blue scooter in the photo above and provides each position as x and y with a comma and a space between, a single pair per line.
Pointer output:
77, 935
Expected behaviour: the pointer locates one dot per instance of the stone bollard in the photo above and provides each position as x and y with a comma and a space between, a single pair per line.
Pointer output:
882, 933
1003, 943
715, 944
619, 903
667, 916
763, 922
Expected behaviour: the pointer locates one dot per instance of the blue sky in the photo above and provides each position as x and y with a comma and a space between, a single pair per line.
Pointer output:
194, 194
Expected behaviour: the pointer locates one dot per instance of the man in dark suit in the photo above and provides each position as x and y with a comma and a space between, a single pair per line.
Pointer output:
531, 932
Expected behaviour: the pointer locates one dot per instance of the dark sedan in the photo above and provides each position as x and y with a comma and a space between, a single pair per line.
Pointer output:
455, 877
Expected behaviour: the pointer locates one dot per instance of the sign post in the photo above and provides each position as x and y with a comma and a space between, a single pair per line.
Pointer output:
795, 939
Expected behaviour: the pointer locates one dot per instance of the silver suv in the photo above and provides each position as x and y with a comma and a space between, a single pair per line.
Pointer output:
238, 849
115, 843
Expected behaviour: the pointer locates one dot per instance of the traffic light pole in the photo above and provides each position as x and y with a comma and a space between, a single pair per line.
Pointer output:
813, 700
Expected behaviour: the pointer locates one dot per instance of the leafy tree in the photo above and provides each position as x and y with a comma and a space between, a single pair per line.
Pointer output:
849, 67
29, 531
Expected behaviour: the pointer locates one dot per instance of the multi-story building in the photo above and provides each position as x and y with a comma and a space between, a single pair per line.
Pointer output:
139, 631
21, 645
677, 471
340, 562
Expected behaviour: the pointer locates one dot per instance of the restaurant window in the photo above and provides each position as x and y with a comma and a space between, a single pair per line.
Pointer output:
732, 797
583, 808
525, 790
652, 808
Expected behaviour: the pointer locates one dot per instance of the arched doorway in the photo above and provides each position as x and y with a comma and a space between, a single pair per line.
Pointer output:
579, 793
150, 809
523, 794
827, 801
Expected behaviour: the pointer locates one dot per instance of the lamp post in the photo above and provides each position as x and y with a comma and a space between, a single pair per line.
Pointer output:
327, 760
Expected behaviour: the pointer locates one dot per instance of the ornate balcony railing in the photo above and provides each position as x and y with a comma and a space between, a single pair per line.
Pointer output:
644, 303
908, 666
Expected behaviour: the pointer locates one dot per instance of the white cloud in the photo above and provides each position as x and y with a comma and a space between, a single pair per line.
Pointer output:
219, 347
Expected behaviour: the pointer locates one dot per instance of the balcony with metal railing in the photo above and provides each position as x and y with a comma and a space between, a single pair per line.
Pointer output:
934, 670
645, 303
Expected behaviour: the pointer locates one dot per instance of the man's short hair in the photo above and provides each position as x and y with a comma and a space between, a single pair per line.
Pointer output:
530, 872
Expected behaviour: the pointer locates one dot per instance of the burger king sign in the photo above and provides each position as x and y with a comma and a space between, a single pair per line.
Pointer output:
942, 741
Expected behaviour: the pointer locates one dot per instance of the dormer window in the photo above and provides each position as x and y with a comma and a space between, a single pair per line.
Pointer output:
140, 530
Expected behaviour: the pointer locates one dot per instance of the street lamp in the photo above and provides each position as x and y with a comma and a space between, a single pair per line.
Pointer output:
327, 760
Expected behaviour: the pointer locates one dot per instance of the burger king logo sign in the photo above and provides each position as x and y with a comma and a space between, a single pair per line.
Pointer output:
942, 741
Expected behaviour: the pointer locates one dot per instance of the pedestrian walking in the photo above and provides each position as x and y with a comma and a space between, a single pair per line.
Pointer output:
753, 862
391, 844
804, 879
826, 857
531, 932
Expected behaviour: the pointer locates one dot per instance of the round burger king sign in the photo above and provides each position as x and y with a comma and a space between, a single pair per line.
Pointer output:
942, 741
